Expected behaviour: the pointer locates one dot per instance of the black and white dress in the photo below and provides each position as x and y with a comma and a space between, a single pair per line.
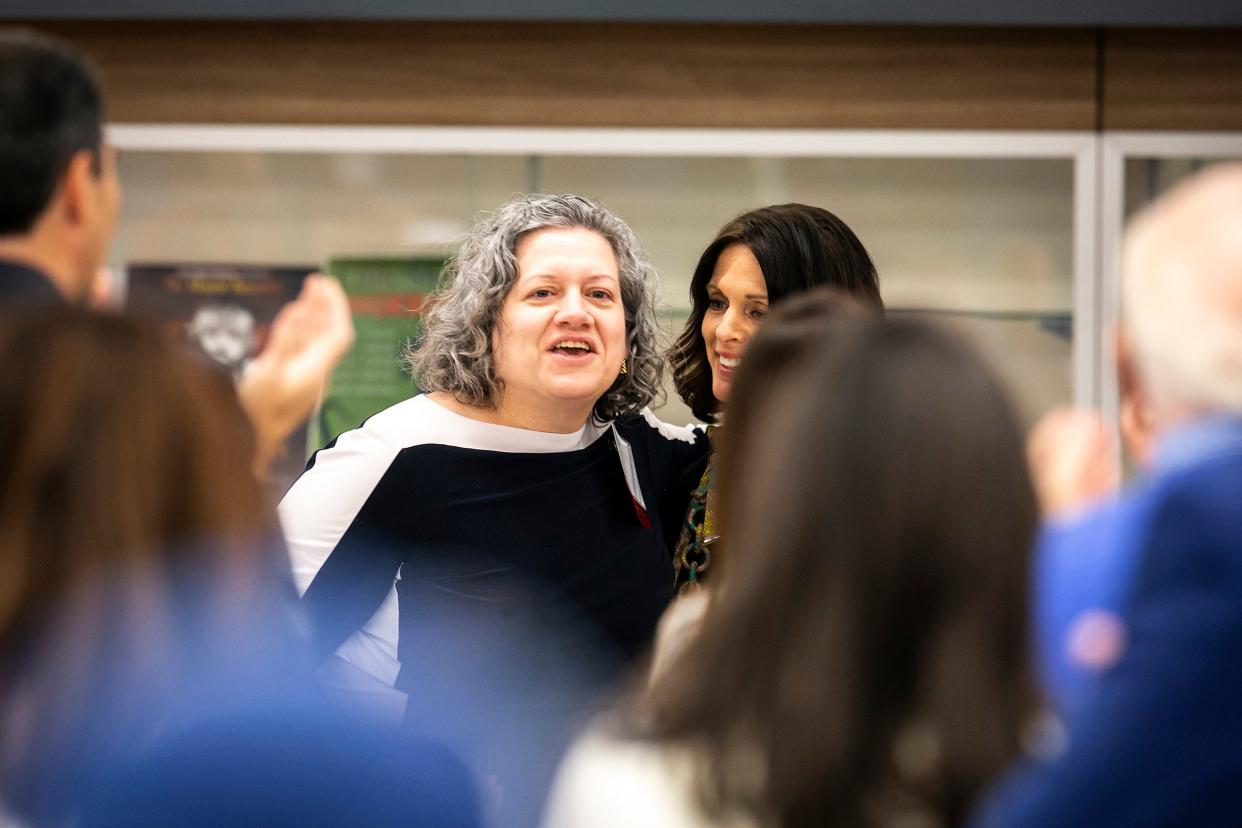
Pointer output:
424, 532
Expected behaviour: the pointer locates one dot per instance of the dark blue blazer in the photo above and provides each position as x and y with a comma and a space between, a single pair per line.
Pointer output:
21, 286
1159, 741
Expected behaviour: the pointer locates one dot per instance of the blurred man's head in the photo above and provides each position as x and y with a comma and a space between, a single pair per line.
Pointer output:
1182, 298
61, 194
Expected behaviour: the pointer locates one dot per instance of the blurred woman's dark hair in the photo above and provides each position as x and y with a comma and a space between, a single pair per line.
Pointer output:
121, 458
154, 669
798, 247
866, 659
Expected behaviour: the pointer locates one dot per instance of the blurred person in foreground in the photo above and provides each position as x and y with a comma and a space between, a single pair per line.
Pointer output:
59, 211
864, 662
842, 285
153, 667
1154, 739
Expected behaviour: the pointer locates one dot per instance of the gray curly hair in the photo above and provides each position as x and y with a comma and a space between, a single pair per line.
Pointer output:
454, 354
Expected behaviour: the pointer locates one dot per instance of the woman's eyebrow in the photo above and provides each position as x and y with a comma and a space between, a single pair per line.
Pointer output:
538, 276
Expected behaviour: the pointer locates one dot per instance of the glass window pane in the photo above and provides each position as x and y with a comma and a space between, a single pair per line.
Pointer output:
984, 245
1147, 178
275, 208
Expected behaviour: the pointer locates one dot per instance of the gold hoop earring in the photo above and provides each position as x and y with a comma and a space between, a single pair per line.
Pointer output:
624, 367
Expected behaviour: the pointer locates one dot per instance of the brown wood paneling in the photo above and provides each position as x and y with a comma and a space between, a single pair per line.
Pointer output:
569, 74
1172, 79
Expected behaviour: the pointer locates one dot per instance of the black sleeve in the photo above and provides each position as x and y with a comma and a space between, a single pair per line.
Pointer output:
356, 577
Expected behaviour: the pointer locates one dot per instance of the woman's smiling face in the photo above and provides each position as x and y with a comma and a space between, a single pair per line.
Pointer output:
737, 300
560, 339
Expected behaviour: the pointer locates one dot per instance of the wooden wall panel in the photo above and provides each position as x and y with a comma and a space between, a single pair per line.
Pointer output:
594, 74
1172, 80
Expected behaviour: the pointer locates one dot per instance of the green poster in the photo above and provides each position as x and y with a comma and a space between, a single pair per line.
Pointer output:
385, 295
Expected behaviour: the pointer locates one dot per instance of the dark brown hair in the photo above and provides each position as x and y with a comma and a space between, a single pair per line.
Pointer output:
798, 247
867, 658
130, 537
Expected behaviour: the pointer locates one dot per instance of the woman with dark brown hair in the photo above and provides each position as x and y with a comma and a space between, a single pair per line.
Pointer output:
755, 262
152, 669
865, 662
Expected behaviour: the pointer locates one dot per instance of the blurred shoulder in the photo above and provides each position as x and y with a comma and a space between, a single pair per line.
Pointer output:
609, 781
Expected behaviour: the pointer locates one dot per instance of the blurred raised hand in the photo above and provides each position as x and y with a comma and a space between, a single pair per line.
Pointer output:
1073, 462
281, 387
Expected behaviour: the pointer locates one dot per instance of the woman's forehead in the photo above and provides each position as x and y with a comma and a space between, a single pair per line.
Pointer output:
564, 252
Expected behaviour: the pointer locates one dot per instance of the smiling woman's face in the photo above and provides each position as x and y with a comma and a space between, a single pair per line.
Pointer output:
560, 339
737, 300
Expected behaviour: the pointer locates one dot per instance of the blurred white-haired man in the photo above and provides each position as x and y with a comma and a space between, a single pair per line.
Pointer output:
1140, 598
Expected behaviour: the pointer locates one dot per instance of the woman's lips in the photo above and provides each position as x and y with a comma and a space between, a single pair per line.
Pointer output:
573, 356
573, 350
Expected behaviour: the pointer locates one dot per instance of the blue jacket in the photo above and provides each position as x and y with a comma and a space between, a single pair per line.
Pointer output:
1083, 567
1158, 739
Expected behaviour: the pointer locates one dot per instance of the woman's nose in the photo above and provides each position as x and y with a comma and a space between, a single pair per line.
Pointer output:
572, 308
731, 327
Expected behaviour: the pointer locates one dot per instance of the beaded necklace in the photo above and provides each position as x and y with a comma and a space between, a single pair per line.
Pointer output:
698, 533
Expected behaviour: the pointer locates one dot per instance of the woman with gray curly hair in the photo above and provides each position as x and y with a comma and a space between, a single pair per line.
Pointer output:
455, 354
527, 492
